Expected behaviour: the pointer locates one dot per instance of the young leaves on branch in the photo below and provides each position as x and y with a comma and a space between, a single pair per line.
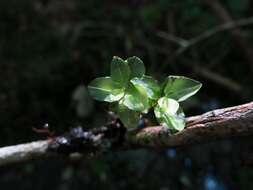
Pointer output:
135, 93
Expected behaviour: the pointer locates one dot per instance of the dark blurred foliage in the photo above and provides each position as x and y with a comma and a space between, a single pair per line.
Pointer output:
50, 50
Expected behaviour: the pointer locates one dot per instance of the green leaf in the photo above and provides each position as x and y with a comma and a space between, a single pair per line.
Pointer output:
120, 71
147, 85
137, 67
169, 114
105, 89
128, 117
135, 99
180, 88
168, 105
178, 120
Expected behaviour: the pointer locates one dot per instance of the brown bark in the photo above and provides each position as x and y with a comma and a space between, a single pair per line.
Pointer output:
217, 124
211, 126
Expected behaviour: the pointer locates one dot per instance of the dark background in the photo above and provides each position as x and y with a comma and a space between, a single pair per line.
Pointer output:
51, 50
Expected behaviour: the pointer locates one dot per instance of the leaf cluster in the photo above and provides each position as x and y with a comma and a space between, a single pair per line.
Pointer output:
133, 93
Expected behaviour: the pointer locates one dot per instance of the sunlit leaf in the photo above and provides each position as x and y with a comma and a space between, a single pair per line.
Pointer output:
180, 88
105, 89
128, 117
147, 85
169, 114
168, 105
137, 67
120, 71
135, 99
178, 120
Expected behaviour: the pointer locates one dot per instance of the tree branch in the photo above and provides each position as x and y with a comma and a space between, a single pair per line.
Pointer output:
23, 152
217, 124
211, 126
236, 32
187, 44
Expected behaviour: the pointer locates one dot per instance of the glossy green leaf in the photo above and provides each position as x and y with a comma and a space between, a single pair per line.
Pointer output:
120, 71
169, 114
168, 105
180, 88
135, 99
105, 89
147, 85
178, 120
137, 67
128, 117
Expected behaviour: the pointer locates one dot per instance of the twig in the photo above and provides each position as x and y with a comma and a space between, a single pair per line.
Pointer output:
219, 79
211, 126
236, 32
187, 44
171, 38
215, 77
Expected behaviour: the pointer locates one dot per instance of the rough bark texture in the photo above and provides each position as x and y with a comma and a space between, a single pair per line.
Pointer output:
213, 125
217, 124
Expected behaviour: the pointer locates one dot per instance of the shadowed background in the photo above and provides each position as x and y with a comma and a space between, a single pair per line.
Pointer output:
51, 50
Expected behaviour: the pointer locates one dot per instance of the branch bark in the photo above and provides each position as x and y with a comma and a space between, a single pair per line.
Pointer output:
23, 152
211, 126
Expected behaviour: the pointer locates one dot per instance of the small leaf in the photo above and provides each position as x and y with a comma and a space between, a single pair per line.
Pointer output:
120, 71
135, 100
178, 120
128, 117
168, 105
169, 114
105, 89
137, 67
147, 85
180, 88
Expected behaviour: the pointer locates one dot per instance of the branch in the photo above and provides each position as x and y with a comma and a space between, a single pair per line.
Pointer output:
211, 126
187, 44
22, 152
236, 32
217, 124
219, 79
